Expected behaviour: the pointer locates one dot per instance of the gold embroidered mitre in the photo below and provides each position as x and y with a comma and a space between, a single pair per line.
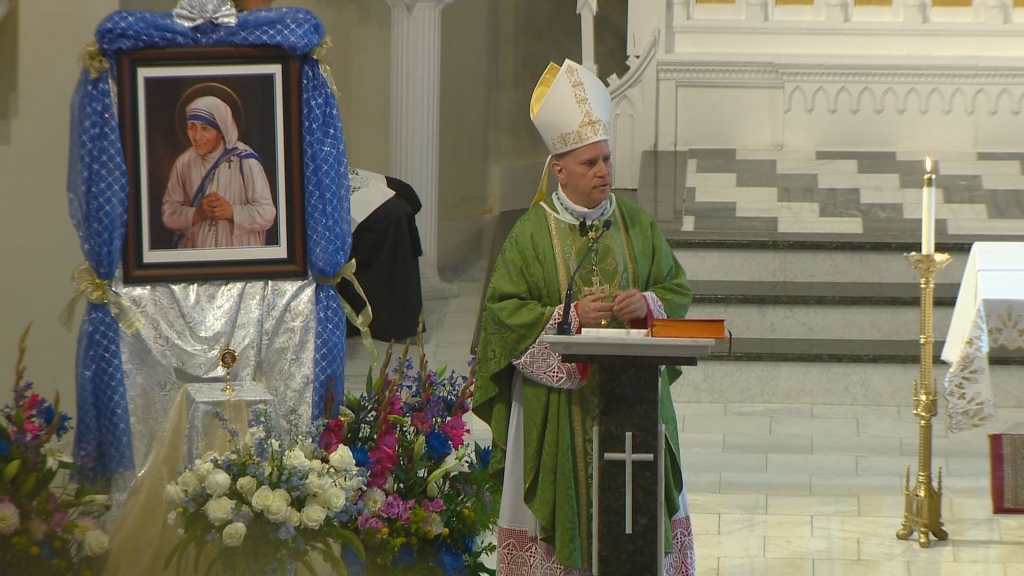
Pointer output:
570, 107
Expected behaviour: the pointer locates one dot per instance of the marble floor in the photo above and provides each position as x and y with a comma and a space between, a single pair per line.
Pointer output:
797, 489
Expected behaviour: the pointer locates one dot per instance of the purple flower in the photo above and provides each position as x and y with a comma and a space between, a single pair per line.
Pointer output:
394, 507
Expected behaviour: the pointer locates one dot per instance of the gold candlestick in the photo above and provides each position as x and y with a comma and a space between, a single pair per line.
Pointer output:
923, 508
228, 358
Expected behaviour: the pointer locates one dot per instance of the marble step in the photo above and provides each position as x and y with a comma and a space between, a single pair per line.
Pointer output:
762, 262
823, 293
834, 383
820, 322
840, 350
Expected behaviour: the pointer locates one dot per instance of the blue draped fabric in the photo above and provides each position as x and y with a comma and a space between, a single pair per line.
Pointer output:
98, 194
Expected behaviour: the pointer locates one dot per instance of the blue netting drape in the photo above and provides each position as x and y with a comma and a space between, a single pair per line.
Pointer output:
98, 194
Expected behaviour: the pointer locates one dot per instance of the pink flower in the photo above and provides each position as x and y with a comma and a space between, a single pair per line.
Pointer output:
455, 429
31, 402
31, 428
393, 406
384, 457
436, 506
421, 422
367, 522
332, 435
58, 521
394, 507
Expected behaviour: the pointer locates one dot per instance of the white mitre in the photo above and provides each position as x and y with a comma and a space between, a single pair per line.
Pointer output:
570, 107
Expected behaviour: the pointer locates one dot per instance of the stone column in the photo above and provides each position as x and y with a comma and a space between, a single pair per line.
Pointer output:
415, 112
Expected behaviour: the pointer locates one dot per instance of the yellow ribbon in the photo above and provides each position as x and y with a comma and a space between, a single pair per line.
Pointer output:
361, 320
98, 291
94, 61
319, 53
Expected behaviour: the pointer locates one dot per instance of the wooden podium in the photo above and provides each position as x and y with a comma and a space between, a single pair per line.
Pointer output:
629, 444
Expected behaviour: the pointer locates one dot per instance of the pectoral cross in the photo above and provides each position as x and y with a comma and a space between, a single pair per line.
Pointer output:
598, 287
629, 457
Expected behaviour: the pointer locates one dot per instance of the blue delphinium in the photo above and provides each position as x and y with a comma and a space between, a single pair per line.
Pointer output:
361, 454
483, 457
438, 445
449, 560
406, 555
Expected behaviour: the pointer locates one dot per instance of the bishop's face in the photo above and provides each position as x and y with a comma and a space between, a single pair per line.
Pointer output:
205, 139
585, 173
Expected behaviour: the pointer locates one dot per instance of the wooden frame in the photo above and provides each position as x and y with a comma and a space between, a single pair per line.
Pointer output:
207, 202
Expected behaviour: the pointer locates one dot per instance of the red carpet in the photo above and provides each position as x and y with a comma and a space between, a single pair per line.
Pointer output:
1007, 456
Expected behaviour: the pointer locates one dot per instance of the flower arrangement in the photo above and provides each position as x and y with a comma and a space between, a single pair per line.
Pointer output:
268, 503
47, 525
428, 499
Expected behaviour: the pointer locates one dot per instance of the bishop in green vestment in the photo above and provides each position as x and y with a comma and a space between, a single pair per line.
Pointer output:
541, 410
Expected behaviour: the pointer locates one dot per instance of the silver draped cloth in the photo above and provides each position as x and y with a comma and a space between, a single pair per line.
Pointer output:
271, 324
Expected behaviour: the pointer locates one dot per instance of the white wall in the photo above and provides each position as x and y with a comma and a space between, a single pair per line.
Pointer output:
906, 77
40, 247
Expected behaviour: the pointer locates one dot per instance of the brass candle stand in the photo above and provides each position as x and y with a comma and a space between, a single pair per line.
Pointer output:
923, 508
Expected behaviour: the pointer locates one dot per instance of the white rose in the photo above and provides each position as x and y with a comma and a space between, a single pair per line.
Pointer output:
188, 481
83, 525
294, 458
389, 485
262, 498
316, 465
96, 543
219, 510
335, 498
294, 517
233, 534
316, 483
173, 494
203, 470
307, 449
217, 482
10, 518
435, 524
342, 459
313, 516
247, 486
282, 496
276, 511
351, 483
373, 499
172, 518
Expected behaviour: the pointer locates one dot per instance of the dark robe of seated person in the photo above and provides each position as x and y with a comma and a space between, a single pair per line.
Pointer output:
386, 247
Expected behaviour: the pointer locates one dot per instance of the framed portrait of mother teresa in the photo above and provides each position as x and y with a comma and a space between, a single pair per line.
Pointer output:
212, 142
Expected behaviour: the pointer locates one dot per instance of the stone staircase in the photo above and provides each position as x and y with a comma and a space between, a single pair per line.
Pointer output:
802, 253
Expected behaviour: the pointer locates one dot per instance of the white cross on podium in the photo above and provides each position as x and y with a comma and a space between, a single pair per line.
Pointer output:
629, 457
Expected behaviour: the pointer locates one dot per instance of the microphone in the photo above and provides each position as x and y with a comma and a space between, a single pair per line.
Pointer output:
583, 227
564, 327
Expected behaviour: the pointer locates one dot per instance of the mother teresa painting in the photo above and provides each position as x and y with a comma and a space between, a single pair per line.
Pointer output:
217, 194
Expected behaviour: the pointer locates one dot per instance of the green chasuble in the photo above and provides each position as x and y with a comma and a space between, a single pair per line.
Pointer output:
527, 285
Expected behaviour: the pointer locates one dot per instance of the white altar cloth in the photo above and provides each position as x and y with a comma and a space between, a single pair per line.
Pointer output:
989, 314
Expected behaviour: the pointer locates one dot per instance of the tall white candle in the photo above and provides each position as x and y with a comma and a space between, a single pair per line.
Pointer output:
928, 210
